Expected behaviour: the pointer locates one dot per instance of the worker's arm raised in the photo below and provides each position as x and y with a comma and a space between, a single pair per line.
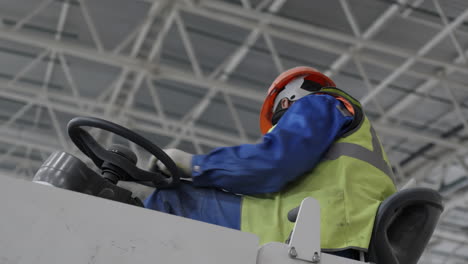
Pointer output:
292, 148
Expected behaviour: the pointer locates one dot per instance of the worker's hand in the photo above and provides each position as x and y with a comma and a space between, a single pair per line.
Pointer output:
183, 161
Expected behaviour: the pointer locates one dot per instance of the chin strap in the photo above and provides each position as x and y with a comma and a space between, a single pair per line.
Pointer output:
280, 110
277, 116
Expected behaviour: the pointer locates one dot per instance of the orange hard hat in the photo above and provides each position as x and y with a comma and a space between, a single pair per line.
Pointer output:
279, 83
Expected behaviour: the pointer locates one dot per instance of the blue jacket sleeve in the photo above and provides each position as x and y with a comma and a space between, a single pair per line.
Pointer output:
292, 148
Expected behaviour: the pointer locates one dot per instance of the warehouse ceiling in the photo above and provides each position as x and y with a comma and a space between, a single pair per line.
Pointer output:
192, 74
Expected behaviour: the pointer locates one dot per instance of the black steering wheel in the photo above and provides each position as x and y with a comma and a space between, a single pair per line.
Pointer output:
91, 148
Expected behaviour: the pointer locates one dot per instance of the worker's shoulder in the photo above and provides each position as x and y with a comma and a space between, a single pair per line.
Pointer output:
319, 99
326, 102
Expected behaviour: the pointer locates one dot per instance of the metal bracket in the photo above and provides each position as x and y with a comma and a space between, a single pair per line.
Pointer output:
279, 253
305, 238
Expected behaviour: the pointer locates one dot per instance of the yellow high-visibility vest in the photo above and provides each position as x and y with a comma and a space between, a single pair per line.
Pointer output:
352, 179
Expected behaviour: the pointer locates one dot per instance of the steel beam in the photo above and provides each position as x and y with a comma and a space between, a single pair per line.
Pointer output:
313, 43
421, 52
135, 64
68, 104
308, 29
39, 8
374, 28
225, 70
452, 36
91, 26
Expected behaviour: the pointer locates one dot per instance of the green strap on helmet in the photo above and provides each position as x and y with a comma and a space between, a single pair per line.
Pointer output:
358, 113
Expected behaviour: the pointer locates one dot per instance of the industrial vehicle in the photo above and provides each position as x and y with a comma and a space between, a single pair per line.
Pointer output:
88, 218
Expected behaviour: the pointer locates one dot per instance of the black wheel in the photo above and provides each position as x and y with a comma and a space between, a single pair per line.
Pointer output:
91, 148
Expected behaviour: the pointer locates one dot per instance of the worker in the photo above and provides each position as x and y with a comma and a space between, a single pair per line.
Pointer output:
317, 143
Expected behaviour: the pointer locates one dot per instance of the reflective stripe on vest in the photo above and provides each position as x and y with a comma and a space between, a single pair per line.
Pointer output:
374, 157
